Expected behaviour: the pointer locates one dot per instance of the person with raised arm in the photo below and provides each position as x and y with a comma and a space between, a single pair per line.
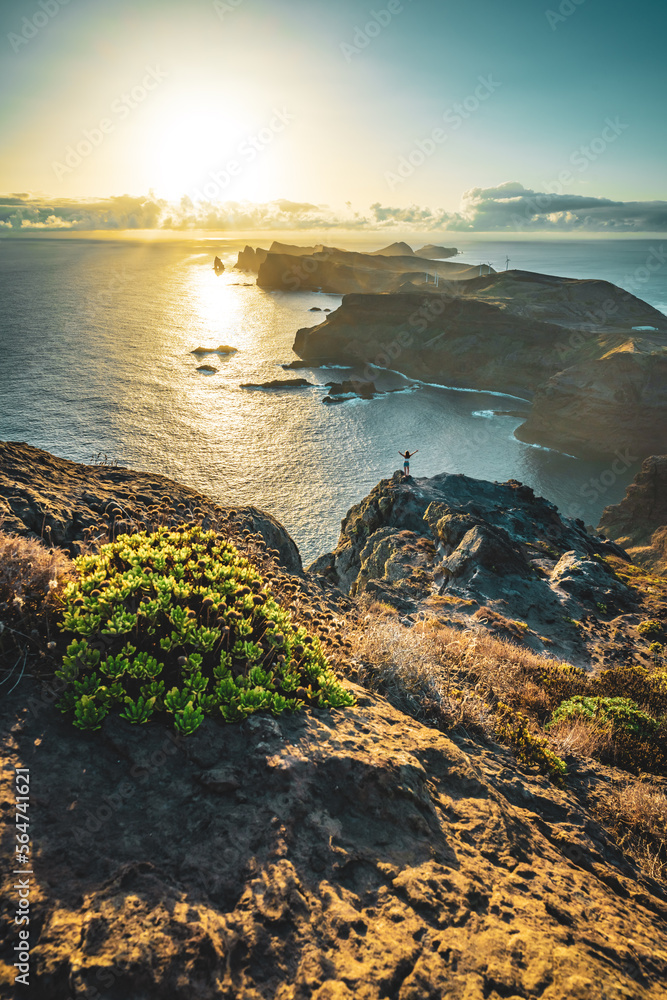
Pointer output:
406, 461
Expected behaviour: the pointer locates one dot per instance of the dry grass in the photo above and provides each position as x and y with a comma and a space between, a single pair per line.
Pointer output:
429, 669
582, 738
30, 576
636, 813
424, 669
28, 569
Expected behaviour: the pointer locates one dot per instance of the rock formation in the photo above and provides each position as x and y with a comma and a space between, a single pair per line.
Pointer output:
338, 391
614, 403
597, 384
277, 383
457, 547
639, 521
432, 252
249, 259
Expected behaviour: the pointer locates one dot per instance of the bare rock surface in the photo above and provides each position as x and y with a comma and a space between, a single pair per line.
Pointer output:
312, 857
639, 521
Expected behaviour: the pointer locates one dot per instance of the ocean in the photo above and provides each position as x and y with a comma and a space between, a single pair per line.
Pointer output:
96, 341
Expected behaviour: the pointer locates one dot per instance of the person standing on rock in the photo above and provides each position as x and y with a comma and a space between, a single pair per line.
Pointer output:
406, 461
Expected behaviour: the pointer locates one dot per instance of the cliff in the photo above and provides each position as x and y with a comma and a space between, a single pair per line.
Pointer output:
73, 506
639, 521
341, 272
597, 383
250, 259
367, 852
614, 404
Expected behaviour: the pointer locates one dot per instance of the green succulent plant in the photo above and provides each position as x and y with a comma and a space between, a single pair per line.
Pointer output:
179, 622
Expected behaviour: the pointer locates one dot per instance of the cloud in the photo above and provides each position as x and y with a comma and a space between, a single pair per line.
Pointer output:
513, 208
508, 207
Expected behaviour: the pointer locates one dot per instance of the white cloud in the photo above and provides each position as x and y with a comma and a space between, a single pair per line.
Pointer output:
508, 207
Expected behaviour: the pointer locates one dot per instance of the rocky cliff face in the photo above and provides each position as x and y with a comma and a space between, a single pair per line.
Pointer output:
249, 259
639, 521
458, 341
598, 384
614, 404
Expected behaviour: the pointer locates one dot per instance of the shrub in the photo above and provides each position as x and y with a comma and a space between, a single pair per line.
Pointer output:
179, 622
638, 740
646, 688
650, 627
512, 728
620, 713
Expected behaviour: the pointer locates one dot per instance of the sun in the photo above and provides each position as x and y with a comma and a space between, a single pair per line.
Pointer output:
191, 149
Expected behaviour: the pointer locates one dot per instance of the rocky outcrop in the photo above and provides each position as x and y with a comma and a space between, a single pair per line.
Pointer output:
571, 346
458, 341
431, 252
614, 404
74, 506
250, 259
348, 388
639, 521
278, 383
452, 545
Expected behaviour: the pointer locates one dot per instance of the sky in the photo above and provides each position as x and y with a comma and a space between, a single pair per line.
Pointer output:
240, 114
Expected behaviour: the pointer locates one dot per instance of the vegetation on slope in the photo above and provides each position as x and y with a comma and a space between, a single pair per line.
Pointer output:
179, 621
